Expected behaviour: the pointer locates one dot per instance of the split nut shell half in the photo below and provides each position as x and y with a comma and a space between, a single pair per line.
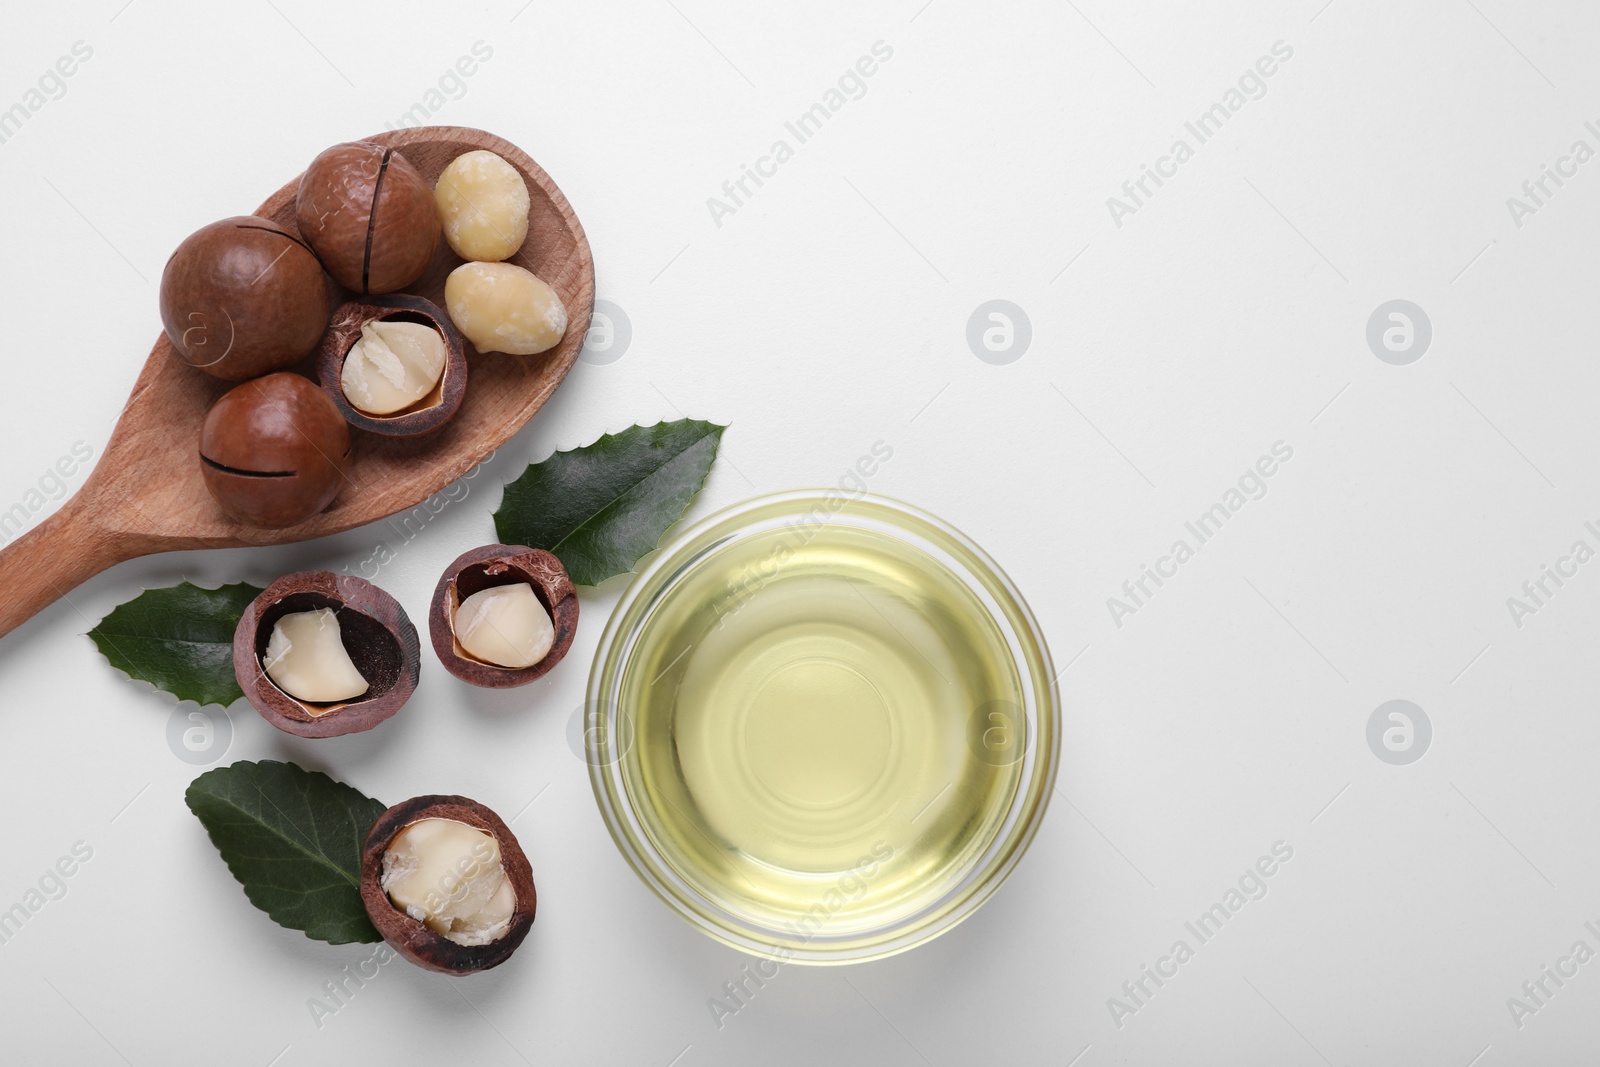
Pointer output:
457, 876
486, 627
320, 654
393, 365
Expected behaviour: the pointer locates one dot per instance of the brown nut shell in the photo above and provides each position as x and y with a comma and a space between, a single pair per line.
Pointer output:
494, 565
375, 629
369, 215
273, 450
243, 297
412, 938
427, 414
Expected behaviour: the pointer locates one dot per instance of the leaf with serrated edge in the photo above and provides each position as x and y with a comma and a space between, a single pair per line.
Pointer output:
292, 838
601, 507
179, 639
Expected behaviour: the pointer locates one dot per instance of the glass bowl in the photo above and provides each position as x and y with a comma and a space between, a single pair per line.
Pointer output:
822, 727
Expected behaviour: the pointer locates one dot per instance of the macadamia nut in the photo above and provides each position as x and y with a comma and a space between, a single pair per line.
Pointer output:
273, 450
369, 216
306, 658
483, 205
449, 876
391, 366
505, 625
500, 307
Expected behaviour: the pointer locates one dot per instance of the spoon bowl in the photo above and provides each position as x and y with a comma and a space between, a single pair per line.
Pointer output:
146, 494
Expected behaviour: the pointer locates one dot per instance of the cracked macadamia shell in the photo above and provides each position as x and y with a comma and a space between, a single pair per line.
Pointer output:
375, 630
437, 407
411, 937
489, 567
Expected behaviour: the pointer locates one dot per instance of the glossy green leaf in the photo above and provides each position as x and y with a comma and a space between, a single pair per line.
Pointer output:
179, 639
292, 838
601, 507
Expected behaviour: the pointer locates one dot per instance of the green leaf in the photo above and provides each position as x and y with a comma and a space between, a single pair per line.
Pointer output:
601, 507
292, 838
179, 639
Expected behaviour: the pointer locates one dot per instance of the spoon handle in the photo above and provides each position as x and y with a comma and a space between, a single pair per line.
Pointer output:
53, 558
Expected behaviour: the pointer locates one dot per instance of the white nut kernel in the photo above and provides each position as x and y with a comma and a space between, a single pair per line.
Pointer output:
391, 366
449, 875
306, 659
500, 307
483, 206
505, 625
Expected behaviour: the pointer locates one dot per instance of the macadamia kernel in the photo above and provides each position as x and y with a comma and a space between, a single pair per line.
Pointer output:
391, 366
307, 659
448, 875
500, 307
505, 625
483, 205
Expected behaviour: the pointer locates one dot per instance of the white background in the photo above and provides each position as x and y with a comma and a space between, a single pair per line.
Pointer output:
828, 313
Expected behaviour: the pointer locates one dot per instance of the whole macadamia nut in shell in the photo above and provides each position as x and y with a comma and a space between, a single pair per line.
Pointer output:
273, 450
369, 216
243, 297
367, 629
483, 205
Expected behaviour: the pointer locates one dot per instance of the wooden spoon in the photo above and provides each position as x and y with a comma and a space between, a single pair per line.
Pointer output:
146, 495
